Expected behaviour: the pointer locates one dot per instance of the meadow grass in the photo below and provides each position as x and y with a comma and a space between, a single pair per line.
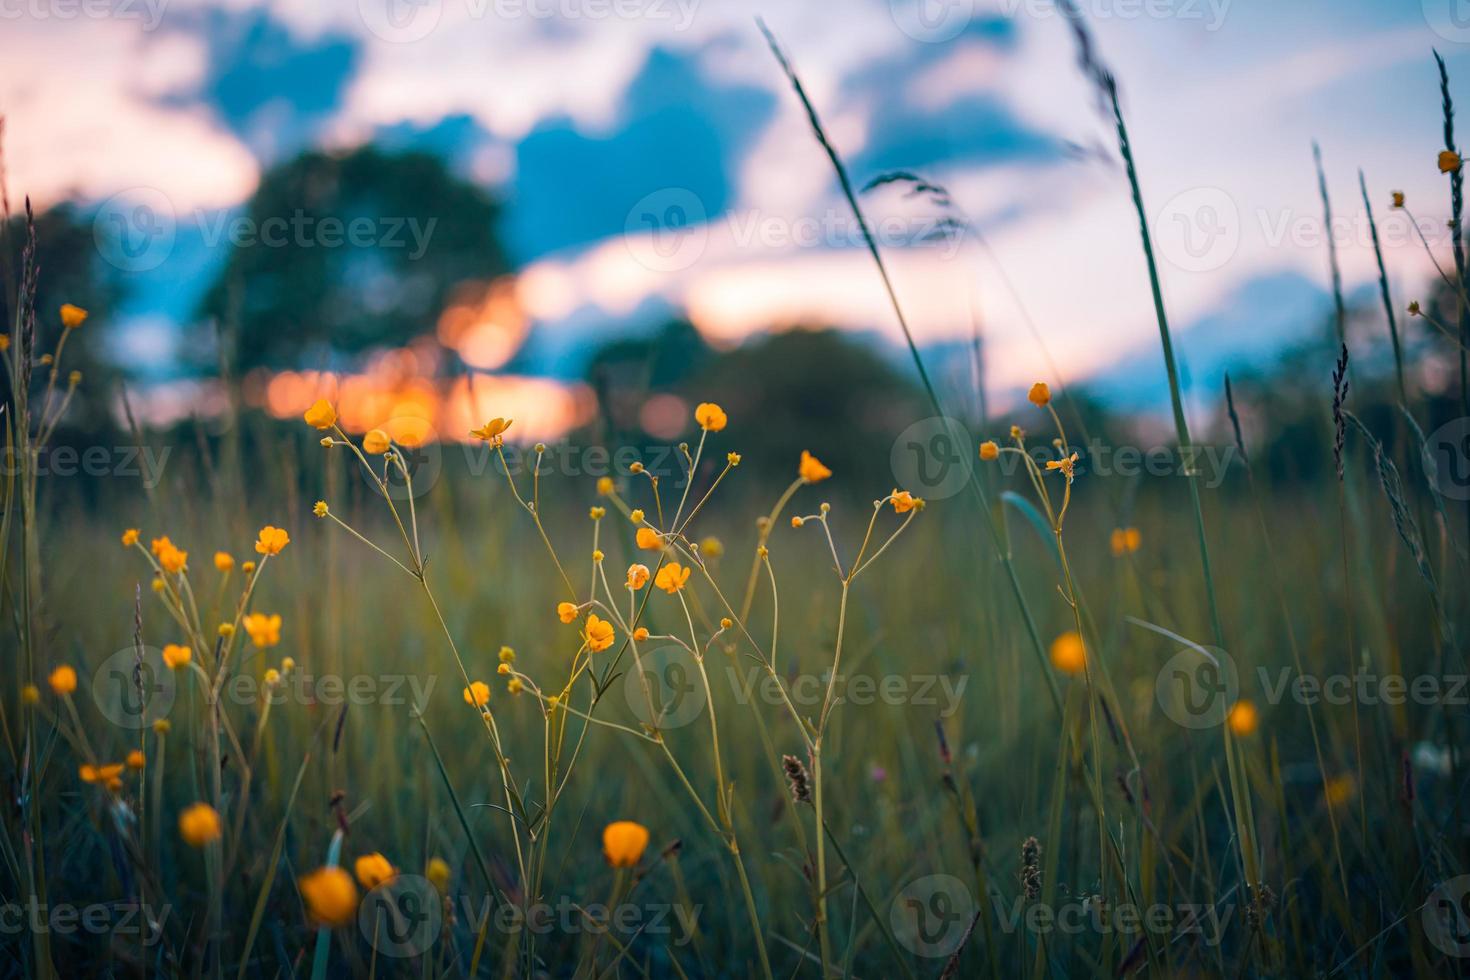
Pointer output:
862, 735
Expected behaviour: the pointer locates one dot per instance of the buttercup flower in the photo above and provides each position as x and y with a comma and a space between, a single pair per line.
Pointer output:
30, 694
566, 611
648, 539
492, 431
477, 694
636, 515
319, 508
223, 561
711, 547
176, 656
1068, 653
437, 871
671, 577
72, 316
174, 560
199, 824
1067, 465
623, 843
321, 415
1125, 541
903, 502
989, 450
272, 540
330, 896
130, 537
598, 634
1243, 718
811, 469
265, 631
272, 677
637, 576
63, 679
1449, 161
376, 442
733, 459
604, 485
514, 686
1039, 394
373, 870
100, 774
136, 760
507, 655
711, 417
640, 634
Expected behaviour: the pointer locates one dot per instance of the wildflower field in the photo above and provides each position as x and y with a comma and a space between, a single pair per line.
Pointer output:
333, 700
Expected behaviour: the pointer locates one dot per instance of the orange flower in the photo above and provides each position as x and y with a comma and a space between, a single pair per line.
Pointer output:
173, 560
272, 540
711, 417
648, 539
623, 843
492, 431
903, 502
130, 537
671, 577
640, 634
223, 561
1243, 718
330, 896
176, 656
989, 450
72, 316
1068, 653
1039, 394
136, 759
63, 680
566, 611
376, 442
637, 576
199, 824
599, 634
373, 870
1125, 541
477, 694
811, 469
321, 415
265, 631
1449, 161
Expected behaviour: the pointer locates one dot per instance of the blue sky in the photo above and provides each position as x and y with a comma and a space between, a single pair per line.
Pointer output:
586, 115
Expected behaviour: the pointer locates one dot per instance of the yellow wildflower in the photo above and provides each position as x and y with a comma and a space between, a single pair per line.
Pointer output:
566, 611
264, 630
376, 442
199, 824
477, 694
330, 896
1068, 653
1243, 718
176, 656
1039, 394
223, 561
130, 537
811, 469
637, 576
598, 634
272, 539
72, 316
671, 577
623, 843
321, 415
492, 431
711, 417
373, 870
63, 680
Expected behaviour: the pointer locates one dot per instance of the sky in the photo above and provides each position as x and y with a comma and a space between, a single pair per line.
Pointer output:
652, 158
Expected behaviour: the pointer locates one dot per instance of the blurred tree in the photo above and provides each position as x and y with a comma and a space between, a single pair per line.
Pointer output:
338, 253
813, 389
